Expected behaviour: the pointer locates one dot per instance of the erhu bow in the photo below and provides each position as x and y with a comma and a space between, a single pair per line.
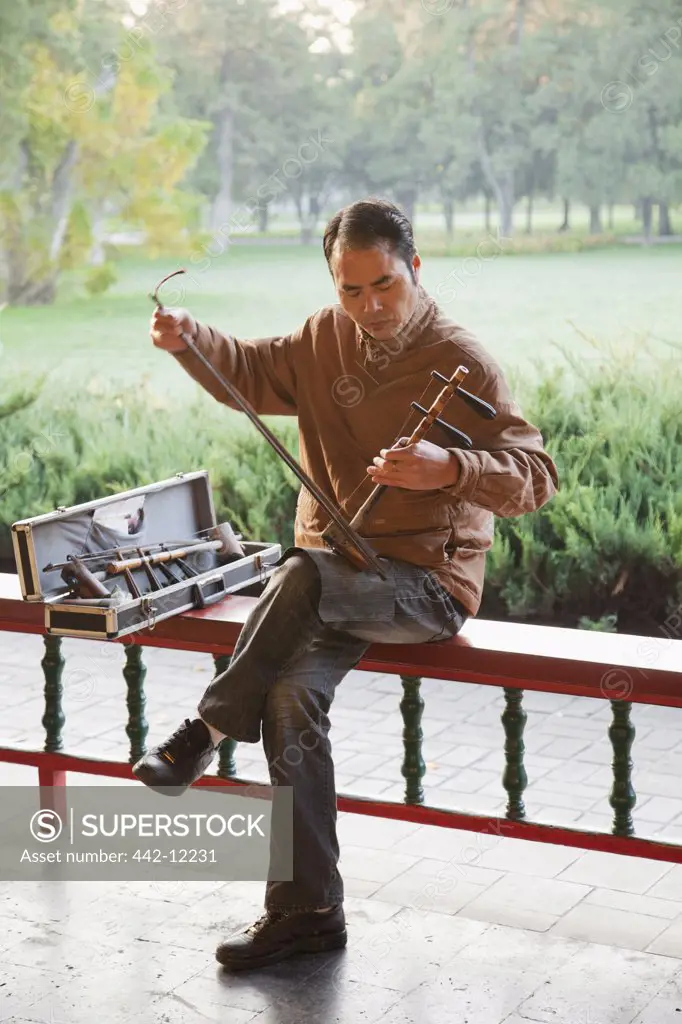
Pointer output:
342, 536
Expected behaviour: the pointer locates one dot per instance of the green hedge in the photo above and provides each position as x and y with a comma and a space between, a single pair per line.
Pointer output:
57, 454
605, 553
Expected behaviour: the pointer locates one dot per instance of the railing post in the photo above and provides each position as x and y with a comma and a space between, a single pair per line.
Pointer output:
52, 781
227, 765
623, 797
53, 718
413, 769
514, 778
134, 672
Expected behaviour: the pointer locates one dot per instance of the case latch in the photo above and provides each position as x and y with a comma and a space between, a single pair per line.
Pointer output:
148, 608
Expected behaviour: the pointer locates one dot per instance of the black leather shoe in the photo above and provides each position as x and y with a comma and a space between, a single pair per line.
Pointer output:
281, 934
179, 761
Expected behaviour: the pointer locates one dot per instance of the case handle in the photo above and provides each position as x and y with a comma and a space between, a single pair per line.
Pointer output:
202, 600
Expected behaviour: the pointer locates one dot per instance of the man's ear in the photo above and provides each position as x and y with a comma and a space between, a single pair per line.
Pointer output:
416, 264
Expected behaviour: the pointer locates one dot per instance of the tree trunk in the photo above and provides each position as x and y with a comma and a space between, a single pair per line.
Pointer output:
518, 27
307, 219
565, 224
32, 270
449, 215
647, 215
222, 203
32, 293
97, 255
529, 214
502, 188
664, 225
487, 212
595, 219
61, 197
507, 206
610, 216
263, 217
407, 199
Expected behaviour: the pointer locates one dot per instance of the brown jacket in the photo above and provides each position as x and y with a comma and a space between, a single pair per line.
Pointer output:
352, 397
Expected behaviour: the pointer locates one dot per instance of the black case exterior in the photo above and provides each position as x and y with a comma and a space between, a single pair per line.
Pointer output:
170, 511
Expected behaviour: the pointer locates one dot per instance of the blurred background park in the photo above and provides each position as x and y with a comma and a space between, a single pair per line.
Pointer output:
537, 146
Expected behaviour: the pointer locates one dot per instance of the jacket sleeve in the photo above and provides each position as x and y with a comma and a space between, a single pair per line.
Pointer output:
263, 370
507, 472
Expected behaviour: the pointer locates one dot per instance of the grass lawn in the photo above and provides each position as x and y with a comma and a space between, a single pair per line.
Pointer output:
520, 307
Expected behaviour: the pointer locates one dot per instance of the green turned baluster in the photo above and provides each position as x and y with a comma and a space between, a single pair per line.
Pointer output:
514, 778
137, 728
227, 766
53, 719
413, 769
623, 797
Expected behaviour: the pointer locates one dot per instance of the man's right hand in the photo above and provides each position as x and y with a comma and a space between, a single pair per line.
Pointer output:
168, 324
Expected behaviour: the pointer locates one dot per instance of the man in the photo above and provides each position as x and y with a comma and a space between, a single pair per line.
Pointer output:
349, 374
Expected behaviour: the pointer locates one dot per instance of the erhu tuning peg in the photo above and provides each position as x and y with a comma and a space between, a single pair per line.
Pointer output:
483, 409
462, 440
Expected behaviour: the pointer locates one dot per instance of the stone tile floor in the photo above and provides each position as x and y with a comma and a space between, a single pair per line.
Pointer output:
443, 925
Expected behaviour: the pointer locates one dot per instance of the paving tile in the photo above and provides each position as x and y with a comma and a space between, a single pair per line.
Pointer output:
583, 798
202, 926
599, 985
466, 992
664, 908
403, 952
277, 999
22, 987
362, 914
659, 809
547, 895
80, 1001
542, 860
463, 756
669, 941
467, 780
630, 874
432, 885
491, 910
564, 746
172, 1009
670, 886
373, 865
656, 784
364, 787
377, 833
666, 1005
447, 844
552, 815
599, 753
359, 887
660, 1011
610, 926
520, 950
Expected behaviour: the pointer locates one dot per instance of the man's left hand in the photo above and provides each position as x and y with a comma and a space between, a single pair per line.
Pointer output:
421, 466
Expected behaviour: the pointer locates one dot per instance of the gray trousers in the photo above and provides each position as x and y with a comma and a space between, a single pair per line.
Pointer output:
312, 624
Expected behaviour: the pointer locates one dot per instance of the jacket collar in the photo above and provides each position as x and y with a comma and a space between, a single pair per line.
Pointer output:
405, 337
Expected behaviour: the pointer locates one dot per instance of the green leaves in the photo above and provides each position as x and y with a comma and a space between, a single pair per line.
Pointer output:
610, 542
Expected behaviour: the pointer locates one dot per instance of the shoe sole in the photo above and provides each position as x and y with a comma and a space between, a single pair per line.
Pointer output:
151, 780
312, 944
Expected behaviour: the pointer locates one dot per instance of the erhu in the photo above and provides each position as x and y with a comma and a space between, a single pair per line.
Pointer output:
341, 536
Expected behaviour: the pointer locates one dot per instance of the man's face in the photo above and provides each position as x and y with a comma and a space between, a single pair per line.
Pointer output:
375, 288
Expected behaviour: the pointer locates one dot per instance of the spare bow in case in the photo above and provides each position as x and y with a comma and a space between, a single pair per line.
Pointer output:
125, 562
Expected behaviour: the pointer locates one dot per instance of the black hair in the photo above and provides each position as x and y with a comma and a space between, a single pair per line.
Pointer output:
367, 223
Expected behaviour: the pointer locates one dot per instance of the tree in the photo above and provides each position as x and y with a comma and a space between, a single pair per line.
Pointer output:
88, 144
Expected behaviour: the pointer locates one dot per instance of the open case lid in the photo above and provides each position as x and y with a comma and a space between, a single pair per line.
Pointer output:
171, 510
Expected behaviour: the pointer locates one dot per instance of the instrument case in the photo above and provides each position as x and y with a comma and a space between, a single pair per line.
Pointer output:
173, 512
